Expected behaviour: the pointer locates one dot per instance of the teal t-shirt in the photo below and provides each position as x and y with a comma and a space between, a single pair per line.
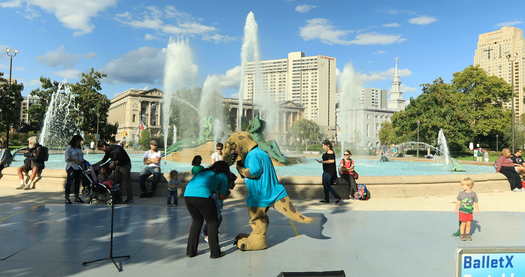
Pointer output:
206, 183
264, 189
196, 169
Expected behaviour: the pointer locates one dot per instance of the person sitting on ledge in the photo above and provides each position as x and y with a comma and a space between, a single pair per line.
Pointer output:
34, 162
517, 159
152, 159
505, 166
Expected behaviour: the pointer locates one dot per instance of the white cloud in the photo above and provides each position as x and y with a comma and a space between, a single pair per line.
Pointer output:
232, 77
422, 20
322, 29
68, 73
509, 23
380, 52
304, 8
150, 37
59, 57
74, 14
395, 12
384, 75
170, 21
392, 25
405, 88
11, 4
143, 65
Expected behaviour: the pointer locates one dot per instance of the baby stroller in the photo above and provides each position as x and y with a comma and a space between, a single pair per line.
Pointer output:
99, 191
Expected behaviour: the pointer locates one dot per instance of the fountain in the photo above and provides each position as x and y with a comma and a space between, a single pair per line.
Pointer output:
449, 162
59, 122
351, 112
249, 53
180, 73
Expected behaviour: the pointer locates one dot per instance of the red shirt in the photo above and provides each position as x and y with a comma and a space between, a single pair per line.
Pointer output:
503, 161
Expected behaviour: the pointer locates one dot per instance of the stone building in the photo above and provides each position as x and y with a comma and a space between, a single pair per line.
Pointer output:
135, 110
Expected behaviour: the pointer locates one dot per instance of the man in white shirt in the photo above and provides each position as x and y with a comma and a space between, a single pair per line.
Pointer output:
152, 159
217, 155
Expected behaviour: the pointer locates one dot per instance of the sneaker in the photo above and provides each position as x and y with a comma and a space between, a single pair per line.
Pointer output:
324, 201
206, 239
456, 234
338, 201
22, 186
516, 190
468, 237
462, 237
78, 200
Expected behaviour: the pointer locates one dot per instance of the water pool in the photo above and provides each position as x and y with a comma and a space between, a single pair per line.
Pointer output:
309, 168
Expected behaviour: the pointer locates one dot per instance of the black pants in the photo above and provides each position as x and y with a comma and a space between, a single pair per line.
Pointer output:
351, 183
123, 176
328, 181
202, 209
73, 178
512, 176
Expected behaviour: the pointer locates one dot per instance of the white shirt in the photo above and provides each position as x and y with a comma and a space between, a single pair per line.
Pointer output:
74, 157
152, 155
215, 157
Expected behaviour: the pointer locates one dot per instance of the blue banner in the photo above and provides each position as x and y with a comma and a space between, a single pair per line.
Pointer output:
492, 264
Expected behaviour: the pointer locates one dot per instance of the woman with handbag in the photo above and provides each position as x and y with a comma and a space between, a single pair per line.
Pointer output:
347, 172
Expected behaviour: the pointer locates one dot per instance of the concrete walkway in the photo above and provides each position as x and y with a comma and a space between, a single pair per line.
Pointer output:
380, 237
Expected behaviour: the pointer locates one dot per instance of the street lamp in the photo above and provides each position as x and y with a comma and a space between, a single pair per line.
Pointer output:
512, 59
11, 53
417, 148
497, 150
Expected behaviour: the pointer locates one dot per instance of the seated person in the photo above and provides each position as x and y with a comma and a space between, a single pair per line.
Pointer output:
505, 166
34, 162
5, 159
152, 159
518, 162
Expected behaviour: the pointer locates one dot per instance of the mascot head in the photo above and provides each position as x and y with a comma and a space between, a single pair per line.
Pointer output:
237, 146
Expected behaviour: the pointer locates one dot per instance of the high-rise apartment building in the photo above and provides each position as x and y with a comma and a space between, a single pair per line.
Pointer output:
501, 53
374, 98
308, 81
26, 103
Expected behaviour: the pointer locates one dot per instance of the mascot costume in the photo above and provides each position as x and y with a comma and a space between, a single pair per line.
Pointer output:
264, 190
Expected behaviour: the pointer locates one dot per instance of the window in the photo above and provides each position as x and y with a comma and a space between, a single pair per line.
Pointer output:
134, 118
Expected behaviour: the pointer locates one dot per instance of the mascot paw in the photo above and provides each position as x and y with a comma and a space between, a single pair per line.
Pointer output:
238, 237
308, 219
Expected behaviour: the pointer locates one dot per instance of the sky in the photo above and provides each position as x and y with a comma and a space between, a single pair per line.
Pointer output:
60, 39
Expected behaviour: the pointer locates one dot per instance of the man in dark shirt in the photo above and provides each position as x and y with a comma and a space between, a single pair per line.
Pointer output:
517, 159
121, 163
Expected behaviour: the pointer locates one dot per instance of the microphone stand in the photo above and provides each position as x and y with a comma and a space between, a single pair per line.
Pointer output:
111, 257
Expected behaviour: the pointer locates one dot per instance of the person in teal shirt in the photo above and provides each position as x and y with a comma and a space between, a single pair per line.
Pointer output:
200, 205
196, 165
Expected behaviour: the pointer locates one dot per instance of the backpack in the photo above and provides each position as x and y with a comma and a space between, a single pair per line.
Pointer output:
362, 192
44, 154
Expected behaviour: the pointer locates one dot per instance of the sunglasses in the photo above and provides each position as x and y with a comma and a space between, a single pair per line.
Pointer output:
347, 154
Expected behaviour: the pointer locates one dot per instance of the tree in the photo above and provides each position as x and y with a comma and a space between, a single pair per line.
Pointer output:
306, 132
387, 134
470, 108
11, 96
93, 105
37, 111
145, 137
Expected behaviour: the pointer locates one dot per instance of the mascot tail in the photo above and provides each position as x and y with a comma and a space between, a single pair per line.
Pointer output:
285, 207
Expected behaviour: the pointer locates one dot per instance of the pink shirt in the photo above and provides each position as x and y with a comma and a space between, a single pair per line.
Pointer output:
503, 161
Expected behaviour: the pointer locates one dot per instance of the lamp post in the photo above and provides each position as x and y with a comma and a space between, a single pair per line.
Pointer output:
497, 136
11, 53
511, 59
417, 147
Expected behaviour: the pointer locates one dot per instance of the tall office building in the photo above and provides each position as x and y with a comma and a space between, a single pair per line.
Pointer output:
501, 53
308, 81
26, 103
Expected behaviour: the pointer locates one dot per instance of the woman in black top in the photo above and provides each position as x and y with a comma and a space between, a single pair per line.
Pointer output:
329, 172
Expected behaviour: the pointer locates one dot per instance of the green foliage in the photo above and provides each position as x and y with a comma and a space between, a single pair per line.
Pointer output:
11, 97
306, 132
387, 134
145, 137
470, 108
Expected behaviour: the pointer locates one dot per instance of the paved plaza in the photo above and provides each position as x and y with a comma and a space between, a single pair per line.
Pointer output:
51, 239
